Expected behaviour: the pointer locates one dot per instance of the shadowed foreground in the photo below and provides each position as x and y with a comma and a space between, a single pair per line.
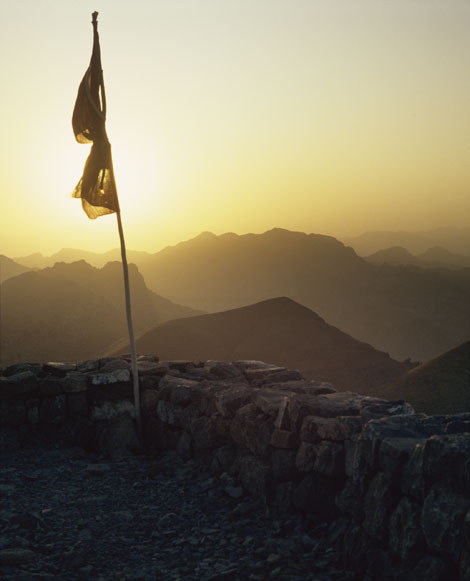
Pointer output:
67, 516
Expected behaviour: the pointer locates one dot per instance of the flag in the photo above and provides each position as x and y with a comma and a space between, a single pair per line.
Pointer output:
97, 187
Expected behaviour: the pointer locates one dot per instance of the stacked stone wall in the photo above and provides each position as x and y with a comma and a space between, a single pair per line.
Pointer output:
392, 485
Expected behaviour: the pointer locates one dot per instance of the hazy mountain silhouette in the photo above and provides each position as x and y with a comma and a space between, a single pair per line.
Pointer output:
98, 259
278, 331
407, 312
9, 268
455, 240
439, 386
436, 257
73, 311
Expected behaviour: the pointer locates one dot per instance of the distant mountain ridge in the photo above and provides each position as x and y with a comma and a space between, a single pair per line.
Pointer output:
279, 331
74, 311
10, 268
436, 257
455, 240
438, 386
409, 313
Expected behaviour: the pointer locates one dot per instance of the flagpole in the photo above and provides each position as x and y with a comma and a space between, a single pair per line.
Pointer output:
130, 327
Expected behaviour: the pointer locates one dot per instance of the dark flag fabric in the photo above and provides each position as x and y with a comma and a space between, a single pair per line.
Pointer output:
97, 187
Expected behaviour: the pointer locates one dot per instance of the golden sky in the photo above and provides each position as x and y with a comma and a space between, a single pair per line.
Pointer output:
325, 116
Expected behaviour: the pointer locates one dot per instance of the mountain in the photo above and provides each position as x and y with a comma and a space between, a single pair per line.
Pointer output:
439, 386
455, 240
279, 331
9, 268
407, 312
74, 311
436, 257
98, 259
397, 255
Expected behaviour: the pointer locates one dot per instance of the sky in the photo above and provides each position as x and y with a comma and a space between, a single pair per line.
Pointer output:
325, 116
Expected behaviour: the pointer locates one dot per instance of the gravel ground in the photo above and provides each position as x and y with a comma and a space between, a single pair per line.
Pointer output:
65, 515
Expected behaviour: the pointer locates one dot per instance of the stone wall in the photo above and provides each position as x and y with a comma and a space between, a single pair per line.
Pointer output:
392, 485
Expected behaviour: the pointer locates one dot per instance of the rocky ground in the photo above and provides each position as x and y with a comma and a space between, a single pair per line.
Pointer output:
66, 515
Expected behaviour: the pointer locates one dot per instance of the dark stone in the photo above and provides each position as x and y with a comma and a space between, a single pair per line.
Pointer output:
282, 499
281, 376
152, 368
75, 382
315, 494
412, 474
447, 461
284, 439
50, 385
229, 401
149, 402
77, 404
152, 358
204, 432
35, 368
269, 401
258, 374
283, 465
431, 568
18, 386
114, 365
118, 438
59, 368
327, 406
225, 371
252, 429
223, 459
254, 475
185, 446
305, 457
406, 537
52, 409
12, 413
329, 460
443, 520
394, 452
171, 414
377, 506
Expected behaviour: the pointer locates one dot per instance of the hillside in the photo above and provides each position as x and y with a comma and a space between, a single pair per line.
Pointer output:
436, 257
409, 313
439, 386
279, 331
456, 240
9, 268
74, 311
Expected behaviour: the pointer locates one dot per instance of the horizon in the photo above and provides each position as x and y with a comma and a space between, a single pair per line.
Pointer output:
117, 249
332, 118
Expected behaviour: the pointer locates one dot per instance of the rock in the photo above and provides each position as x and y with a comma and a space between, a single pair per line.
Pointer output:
150, 357
394, 452
153, 368
177, 390
204, 432
52, 409
283, 465
229, 401
12, 413
284, 439
185, 446
117, 376
443, 520
377, 506
405, 533
269, 401
59, 367
225, 371
50, 386
412, 474
108, 410
18, 385
305, 457
446, 460
252, 429
149, 401
259, 374
327, 406
34, 368
77, 404
171, 414
281, 376
254, 475
114, 365
316, 428
329, 460
16, 556
235, 492
223, 459
118, 438
75, 382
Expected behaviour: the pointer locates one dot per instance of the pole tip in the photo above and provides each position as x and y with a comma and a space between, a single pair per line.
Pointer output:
94, 17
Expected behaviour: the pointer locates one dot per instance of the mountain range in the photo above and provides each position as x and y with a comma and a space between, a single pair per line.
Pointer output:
278, 331
73, 311
10, 268
455, 240
409, 313
436, 257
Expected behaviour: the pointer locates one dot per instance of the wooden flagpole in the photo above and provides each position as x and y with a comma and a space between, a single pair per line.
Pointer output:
127, 291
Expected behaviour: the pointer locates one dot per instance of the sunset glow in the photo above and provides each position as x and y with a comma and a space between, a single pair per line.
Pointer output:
330, 117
